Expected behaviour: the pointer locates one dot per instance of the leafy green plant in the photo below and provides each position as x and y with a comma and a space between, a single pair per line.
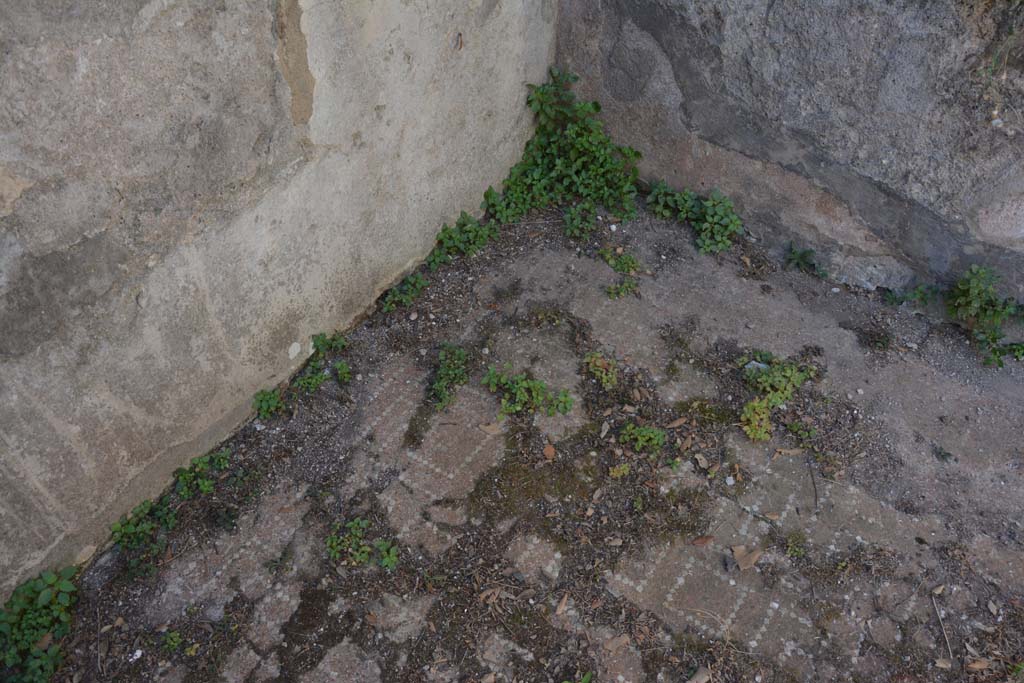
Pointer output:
717, 224
625, 287
451, 373
405, 292
777, 379
802, 432
579, 219
619, 471
32, 622
569, 157
974, 303
920, 295
349, 547
138, 534
267, 403
316, 373
520, 394
587, 677
467, 237
171, 642
620, 261
664, 202
494, 205
324, 344
387, 554
313, 377
221, 459
649, 439
196, 478
796, 545
604, 370
803, 260
343, 371
755, 420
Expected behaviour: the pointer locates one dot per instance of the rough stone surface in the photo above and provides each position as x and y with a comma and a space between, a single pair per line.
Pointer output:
189, 190
344, 662
886, 136
820, 558
205, 579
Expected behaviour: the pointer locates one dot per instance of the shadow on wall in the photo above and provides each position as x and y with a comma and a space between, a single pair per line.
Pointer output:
887, 138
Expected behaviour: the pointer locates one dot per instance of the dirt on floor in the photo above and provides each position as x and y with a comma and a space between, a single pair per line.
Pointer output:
876, 537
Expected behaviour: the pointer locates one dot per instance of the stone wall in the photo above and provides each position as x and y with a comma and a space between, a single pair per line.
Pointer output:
189, 189
886, 135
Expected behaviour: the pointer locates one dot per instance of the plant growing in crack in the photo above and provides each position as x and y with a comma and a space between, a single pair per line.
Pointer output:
451, 373
267, 403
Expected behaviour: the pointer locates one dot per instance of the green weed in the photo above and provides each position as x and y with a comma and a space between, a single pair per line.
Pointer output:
171, 642
921, 295
467, 237
569, 157
587, 677
343, 372
625, 287
316, 373
974, 303
451, 373
405, 292
313, 377
139, 536
803, 260
620, 261
32, 622
664, 202
520, 394
604, 370
755, 420
619, 471
387, 554
267, 403
796, 545
579, 219
197, 477
324, 344
717, 224
802, 432
776, 381
649, 439
351, 547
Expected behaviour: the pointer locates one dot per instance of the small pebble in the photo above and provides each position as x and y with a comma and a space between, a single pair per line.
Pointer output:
860, 392
729, 481
835, 290
614, 228
485, 351
359, 377
413, 315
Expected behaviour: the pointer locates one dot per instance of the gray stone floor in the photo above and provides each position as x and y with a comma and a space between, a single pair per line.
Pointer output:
887, 546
